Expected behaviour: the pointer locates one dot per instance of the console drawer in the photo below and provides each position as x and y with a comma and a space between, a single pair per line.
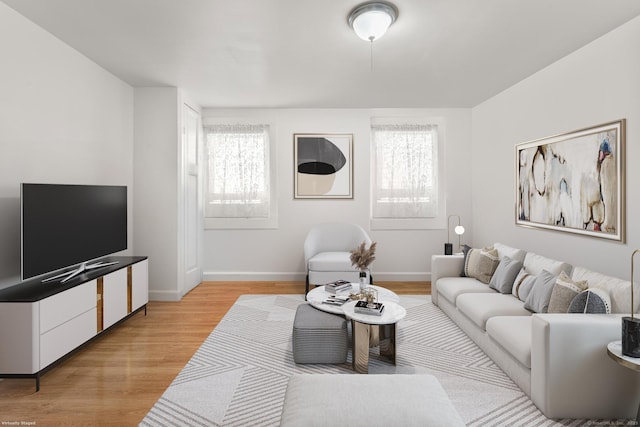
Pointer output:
66, 305
61, 340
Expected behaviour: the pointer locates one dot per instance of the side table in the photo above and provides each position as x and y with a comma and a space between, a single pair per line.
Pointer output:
361, 325
614, 350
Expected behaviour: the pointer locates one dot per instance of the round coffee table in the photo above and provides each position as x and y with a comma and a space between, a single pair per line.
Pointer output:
614, 350
317, 296
361, 332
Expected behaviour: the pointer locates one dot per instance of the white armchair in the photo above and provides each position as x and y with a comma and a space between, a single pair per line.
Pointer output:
327, 252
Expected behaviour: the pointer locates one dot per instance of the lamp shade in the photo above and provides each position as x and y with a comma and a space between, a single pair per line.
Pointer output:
370, 21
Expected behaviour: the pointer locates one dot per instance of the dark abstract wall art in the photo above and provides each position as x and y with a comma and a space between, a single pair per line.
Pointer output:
323, 166
574, 182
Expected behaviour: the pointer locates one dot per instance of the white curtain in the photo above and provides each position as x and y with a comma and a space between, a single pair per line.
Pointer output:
406, 171
237, 184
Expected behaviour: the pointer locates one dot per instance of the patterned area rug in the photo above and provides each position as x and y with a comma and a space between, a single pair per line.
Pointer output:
239, 375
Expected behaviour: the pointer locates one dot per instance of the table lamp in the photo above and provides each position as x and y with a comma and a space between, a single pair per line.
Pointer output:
459, 230
631, 326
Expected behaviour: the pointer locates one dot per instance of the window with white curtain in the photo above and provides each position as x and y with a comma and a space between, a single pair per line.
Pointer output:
238, 168
406, 184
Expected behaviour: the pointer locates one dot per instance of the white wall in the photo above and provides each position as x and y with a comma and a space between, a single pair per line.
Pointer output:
63, 119
156, 190
596, 84
277, 254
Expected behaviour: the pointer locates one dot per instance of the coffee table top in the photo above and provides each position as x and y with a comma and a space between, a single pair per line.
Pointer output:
614, 350
392, 313
318, 295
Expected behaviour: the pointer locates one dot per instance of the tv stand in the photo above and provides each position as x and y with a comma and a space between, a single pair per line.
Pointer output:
68, 275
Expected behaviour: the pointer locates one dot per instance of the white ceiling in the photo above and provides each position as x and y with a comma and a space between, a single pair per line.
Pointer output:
301, 53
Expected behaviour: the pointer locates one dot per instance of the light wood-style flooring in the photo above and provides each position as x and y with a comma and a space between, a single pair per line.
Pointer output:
117, 378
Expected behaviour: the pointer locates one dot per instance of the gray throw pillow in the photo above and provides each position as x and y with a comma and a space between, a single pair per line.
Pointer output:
591, 301
505, 274
538, 299
523, 284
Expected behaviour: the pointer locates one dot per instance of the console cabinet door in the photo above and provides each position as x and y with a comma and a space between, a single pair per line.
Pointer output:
114, 297
140, 284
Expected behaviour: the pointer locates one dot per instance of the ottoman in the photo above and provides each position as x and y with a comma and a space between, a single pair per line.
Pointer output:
331, 400
319, 337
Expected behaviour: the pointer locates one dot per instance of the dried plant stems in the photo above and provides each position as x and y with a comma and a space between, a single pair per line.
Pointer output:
361, 257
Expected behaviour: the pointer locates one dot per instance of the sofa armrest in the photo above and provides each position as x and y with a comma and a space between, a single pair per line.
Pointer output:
444, 266
571, 374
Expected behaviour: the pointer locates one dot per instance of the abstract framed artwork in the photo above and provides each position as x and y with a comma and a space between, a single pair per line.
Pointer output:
574, 182
323, 166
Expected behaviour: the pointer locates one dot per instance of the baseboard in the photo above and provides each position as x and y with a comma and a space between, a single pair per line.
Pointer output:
155, 295
241, 276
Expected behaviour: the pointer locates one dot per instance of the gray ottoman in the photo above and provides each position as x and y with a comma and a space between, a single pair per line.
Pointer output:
319, 337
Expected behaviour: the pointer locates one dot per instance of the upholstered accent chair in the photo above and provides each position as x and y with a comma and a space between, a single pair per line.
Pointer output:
327, 253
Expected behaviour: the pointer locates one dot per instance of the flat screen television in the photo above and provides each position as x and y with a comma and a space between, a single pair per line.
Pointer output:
69, 226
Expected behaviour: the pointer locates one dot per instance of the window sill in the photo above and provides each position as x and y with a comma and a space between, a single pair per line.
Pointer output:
240, 223
408, 223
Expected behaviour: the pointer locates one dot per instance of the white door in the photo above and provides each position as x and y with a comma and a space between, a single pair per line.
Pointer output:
191, 198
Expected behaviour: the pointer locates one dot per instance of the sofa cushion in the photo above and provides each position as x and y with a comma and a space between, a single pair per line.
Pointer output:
331, 261
505, 274
451, 287
594, 301
523, 284
508, 251
534, 264
619, 290
481, 307
481, 263
513, 334
538, 299
564, 291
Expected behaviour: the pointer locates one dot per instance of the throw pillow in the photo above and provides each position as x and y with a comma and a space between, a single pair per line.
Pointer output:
465, 253
591, 301
523, 284
564, 291
538, 299
481, 263
505, 274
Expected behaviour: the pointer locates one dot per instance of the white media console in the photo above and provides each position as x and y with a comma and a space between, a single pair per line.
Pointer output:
41, 323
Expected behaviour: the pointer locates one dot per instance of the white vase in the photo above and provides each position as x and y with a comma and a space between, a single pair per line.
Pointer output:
364, 281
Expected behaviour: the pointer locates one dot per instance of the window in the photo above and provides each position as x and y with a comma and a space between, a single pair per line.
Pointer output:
238, 185
406, 174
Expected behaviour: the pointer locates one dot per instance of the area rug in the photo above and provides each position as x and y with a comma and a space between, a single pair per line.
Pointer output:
238, 377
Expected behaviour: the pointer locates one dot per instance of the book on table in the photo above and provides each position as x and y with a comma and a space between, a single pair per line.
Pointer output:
363, 307
337, 286
336, 300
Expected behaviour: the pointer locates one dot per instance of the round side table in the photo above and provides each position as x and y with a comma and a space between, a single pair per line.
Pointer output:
614, 350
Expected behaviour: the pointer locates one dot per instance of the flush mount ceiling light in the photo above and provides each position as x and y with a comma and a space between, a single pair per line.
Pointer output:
372, 19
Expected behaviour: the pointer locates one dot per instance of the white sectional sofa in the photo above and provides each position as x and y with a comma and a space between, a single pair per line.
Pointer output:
558, 359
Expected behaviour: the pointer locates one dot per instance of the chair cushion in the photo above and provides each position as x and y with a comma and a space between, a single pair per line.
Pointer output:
481, 307
331, 261
451, 287
512, 333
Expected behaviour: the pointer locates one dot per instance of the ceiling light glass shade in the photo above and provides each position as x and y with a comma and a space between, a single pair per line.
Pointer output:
370, 21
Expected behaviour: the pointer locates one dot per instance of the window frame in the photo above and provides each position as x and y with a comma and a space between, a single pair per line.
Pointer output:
438, 221
269, 222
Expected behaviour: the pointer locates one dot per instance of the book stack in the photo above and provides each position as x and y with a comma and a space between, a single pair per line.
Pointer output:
336, 300
375, 308
337, 286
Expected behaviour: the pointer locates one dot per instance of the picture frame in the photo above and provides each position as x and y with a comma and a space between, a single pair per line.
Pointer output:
574, 182
323, 166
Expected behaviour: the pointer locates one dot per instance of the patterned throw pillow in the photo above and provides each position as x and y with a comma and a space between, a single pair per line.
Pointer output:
591, 301
505, 274
481, 263
523, 284
564, 291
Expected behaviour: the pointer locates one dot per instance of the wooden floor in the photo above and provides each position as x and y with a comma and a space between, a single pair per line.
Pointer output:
116, 379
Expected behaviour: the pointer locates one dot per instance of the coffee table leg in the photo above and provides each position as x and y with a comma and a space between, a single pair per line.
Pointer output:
388, 342
360, 357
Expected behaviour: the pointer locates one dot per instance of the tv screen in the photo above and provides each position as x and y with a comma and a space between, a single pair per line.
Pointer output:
66, 225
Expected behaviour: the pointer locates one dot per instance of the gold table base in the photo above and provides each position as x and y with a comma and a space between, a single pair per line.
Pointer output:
365, 336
